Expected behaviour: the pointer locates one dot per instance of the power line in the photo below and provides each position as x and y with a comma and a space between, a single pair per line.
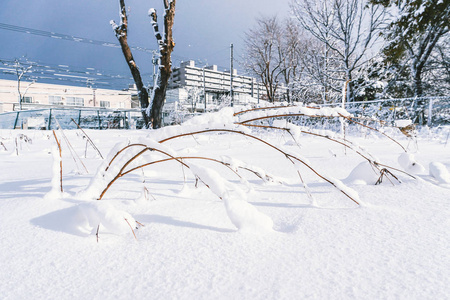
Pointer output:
71, 38
66, 37
82, 76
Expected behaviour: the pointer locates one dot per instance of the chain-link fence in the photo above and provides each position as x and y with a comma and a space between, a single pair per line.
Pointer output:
53, 118
431, 111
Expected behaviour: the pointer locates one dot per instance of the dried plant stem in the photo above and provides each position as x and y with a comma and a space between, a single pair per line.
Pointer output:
289, 156
374, 163
60, 161
281, 116
122, 150
267, 108
316, 116
258, 108
131, 228
183, 158
178, 159
371, 128
3, 146
17, 147
72, 151
121, 171
88, 138
98, 228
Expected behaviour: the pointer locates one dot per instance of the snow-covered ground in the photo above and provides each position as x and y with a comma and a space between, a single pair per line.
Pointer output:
394, 246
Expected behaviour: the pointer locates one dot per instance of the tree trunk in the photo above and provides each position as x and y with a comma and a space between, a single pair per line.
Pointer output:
166, 46
121, 32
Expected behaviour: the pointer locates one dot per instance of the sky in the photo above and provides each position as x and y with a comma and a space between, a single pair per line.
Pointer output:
203, 31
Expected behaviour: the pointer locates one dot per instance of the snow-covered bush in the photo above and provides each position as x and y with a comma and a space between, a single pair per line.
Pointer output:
127, 158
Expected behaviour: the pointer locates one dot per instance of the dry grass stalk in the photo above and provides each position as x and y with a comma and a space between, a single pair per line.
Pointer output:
408, 131
60, 160
131, 228
345, 143
96, 234
72, 151
180, 159
268, 107
290, 157
280, 116
371, 128
88, 139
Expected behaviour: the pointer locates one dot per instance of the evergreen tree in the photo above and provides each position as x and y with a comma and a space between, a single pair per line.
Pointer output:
414, 32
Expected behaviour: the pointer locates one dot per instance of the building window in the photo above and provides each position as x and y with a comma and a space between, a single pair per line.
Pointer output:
105, 104
135, 101
76, 101
55, 100
27, 99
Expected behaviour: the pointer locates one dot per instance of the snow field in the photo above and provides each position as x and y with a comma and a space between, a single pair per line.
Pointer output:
395, 246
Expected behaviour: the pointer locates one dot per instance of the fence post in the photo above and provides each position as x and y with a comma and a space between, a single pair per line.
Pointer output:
49, 124
17, 119
430, 112
79, 117
99, 121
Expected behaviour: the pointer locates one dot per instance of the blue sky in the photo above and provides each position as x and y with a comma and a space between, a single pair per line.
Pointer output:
203, 30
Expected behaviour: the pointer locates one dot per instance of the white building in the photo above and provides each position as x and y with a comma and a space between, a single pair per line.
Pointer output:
188, 82
38, 95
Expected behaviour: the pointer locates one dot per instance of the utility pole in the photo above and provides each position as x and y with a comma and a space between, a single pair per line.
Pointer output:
204, 88
257, 84
231, 75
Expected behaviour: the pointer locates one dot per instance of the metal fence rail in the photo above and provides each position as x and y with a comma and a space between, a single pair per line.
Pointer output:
432, 111
50, 118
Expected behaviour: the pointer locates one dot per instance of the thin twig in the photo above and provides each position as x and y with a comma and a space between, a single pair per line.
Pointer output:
71, 149
281, 116
131, 228
60, 161
98, 227
266, 143
371, 128
88, 138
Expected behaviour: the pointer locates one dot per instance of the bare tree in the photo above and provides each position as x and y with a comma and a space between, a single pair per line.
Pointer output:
193, 97
263, 46
21, 70
320, 76
151, 114
346, 27
288, 54
166, 45
121, 32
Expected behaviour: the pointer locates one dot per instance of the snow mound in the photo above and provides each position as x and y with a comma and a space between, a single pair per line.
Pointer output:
242, 214
109, 218
245, 216
408, 162
363, 174
439, 172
